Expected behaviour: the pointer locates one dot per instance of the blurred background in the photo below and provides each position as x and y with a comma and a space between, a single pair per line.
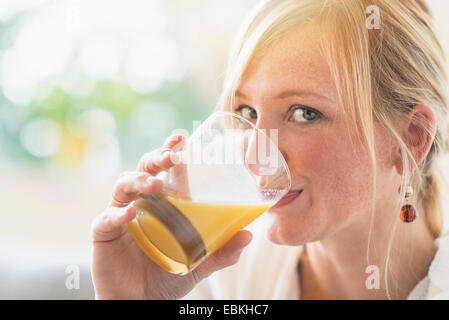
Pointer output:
87, 87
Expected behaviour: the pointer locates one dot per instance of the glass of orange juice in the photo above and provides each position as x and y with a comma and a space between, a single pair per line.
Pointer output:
228, 174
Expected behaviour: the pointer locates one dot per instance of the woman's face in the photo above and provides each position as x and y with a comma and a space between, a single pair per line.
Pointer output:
290, 88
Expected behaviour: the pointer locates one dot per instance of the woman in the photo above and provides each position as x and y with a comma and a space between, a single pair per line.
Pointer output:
357, 90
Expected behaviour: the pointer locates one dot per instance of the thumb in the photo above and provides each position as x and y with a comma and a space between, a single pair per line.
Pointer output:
234, 246
226, 256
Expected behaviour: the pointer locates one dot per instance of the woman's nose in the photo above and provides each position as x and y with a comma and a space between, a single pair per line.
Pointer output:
263, 158
274, 132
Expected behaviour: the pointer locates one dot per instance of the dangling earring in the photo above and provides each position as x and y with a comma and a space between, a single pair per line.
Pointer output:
408, 211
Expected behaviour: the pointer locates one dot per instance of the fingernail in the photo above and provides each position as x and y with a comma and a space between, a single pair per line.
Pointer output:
164, 154
151, 179
248, 240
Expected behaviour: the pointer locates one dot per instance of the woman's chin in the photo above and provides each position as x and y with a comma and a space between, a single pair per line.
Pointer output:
277, 234
273, 235
282, 231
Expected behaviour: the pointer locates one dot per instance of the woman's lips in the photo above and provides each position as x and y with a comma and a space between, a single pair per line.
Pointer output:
289, 197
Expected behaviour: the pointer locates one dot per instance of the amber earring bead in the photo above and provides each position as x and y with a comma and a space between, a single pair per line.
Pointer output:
408, 211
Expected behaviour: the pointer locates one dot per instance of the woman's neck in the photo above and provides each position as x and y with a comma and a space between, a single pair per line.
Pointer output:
337, 267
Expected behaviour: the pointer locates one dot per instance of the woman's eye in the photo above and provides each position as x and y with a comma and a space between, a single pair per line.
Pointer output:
247, 112
304, 114
298, 113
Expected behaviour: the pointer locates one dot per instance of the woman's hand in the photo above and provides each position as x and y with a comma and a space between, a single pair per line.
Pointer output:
120, 270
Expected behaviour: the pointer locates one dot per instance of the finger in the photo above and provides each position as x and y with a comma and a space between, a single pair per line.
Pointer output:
228, 255
130, 184
172, 142
179, 174
111, 223
180, 179
162, 158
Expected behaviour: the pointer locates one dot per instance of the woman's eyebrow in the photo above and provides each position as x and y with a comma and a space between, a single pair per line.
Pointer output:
239, 94
290, 93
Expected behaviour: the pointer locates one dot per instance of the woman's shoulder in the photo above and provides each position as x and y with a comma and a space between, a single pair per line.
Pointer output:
438, 270
436, 284
264, 271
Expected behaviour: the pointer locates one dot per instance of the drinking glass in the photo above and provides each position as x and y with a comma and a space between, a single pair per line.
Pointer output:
229, 172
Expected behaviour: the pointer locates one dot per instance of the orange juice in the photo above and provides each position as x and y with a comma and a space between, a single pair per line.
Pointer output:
178, 240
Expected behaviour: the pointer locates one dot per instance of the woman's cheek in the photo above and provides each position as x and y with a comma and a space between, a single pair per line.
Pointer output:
315, 160
334, 174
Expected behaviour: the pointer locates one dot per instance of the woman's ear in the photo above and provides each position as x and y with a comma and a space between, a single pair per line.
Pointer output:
418, 131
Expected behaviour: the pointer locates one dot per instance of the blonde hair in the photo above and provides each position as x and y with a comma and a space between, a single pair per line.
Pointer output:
380, 75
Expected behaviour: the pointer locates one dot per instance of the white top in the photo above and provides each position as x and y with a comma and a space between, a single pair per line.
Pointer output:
267, 271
